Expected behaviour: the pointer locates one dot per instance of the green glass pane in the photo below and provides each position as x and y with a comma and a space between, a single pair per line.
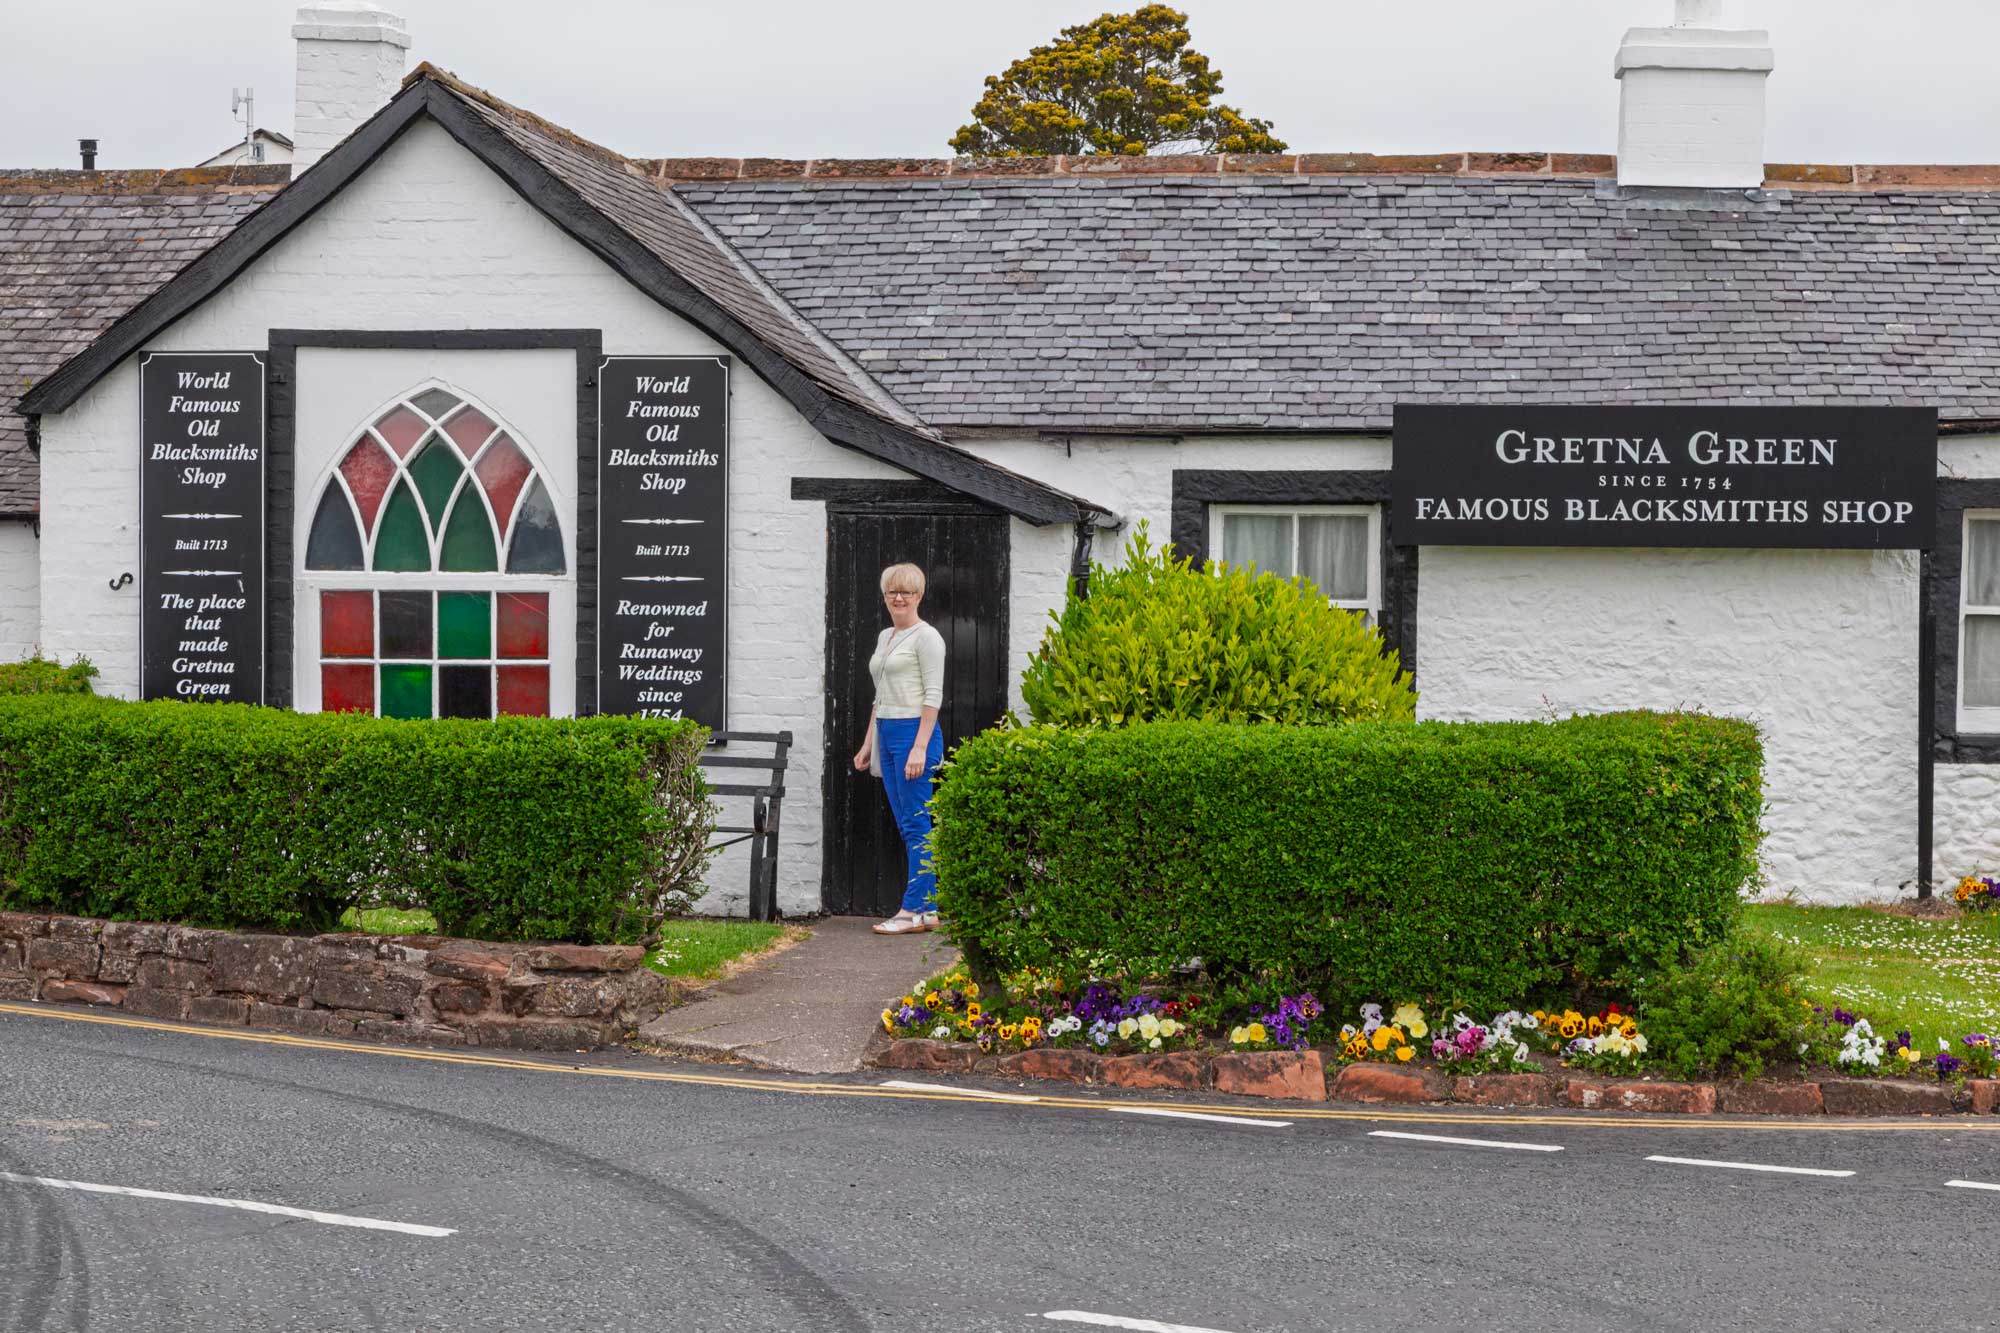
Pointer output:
538, 544
402, 542
465, 624
436, 469
468, 537
406, 691
335, 543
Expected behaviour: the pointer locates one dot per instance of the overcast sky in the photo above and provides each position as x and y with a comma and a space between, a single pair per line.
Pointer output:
1856, 81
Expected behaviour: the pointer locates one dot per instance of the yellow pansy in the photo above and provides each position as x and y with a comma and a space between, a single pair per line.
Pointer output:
1411, 1018
1257, 1033
888, 1020
972, 1012
1007, 1031
1405, 1052
934, 1001
971, 990
1380, 1041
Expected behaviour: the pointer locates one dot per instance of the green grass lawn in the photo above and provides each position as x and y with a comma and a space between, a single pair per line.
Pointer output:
694, 949
1936, 976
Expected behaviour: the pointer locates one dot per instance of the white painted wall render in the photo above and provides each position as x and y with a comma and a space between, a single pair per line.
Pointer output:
1817, 647
20, 591
415, 243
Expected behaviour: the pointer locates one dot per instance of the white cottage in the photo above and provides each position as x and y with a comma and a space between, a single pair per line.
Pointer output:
444, 337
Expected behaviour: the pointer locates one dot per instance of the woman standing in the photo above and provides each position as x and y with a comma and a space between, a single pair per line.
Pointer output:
903, 746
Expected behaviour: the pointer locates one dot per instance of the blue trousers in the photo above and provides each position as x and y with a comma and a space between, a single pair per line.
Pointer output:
910, 800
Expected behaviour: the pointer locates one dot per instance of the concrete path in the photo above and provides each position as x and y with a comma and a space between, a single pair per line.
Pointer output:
811, 1009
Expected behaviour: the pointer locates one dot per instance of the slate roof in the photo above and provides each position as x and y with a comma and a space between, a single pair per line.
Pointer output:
1306, 302
77, 250
679, 238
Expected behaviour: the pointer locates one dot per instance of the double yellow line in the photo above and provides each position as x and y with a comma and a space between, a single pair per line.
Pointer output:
796, 1087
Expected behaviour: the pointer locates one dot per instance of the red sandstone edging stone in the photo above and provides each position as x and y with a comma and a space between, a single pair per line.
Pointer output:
1985, 1096
1863, 1096
410, 988
1377, 1084
1286, 1075
1177, 1070
1505, 1090
1634, 1095
1766, 1098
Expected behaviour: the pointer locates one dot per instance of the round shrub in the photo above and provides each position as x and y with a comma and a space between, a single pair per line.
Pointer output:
1160, 640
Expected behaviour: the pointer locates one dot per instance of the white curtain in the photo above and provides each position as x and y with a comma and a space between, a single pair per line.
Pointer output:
1333, 553
1982, 563
1263, 540
1982, 662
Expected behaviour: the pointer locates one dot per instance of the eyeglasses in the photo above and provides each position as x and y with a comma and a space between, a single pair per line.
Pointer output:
892, 596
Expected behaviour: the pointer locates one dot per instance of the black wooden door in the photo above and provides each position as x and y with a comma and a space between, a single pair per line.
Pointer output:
963, 553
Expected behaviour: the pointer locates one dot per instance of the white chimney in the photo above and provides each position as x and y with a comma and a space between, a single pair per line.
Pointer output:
1691, 104
350, 64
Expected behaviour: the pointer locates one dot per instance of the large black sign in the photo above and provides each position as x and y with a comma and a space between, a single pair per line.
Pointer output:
663, 537
1665, 476
201, 526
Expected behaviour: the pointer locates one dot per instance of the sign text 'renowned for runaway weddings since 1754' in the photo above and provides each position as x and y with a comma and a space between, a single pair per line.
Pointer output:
201, 526
663, 537
1531, 475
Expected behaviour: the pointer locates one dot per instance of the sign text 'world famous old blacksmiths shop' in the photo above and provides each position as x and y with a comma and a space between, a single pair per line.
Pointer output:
663, 537
1815, 477
201, 526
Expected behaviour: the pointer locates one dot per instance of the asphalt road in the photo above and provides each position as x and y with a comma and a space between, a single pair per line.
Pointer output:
629, 1193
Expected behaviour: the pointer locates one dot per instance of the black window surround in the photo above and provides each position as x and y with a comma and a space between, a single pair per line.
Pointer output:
1948, 744
1195, 490
281, 481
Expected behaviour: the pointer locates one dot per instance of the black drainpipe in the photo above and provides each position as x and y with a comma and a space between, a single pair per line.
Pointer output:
1079, 560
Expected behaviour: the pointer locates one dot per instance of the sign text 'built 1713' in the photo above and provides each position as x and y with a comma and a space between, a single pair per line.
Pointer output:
1809, 477
663, 537
201, 526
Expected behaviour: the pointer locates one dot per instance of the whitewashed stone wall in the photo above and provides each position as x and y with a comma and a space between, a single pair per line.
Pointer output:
1818, 648
20, 594
416, 243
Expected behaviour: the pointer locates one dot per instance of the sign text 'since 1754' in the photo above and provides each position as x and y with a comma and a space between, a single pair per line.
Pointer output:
1803, 477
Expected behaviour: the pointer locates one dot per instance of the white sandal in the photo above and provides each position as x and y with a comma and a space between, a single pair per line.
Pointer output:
903, 923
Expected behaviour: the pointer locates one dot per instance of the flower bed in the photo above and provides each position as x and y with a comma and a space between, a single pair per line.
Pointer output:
1035, 1025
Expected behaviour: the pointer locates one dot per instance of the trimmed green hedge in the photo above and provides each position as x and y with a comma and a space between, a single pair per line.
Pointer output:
38, 675
231, 815
1452, 863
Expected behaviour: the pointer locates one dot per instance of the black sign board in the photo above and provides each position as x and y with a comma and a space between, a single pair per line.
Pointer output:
1822, 477
663, 537
201, 526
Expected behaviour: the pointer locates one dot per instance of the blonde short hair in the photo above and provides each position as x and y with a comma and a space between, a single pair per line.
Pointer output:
903, 578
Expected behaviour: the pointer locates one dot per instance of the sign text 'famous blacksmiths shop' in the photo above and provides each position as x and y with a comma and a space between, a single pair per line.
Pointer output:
1818, 477
663, 537
201, 526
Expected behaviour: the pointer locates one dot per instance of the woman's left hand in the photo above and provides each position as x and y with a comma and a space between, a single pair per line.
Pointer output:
913, 767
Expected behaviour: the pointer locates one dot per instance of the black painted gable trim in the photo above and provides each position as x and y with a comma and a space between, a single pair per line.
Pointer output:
1195, 491
837, 420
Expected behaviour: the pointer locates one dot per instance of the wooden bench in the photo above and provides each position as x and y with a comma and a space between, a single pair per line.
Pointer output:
766, 798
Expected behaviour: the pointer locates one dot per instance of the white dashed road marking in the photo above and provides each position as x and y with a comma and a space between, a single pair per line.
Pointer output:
1466, 1143
960, 1092
1750, 1166
1970, 1185
245, 1205
1195, 1115
1119, 1321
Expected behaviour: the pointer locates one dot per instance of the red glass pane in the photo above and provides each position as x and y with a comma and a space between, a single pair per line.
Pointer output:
368, 471
347, 688
524, 624
524, 691
468, 430
503, 470
347, 624
402, 429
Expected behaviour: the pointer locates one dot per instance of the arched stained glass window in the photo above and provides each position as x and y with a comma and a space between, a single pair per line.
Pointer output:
435, 486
